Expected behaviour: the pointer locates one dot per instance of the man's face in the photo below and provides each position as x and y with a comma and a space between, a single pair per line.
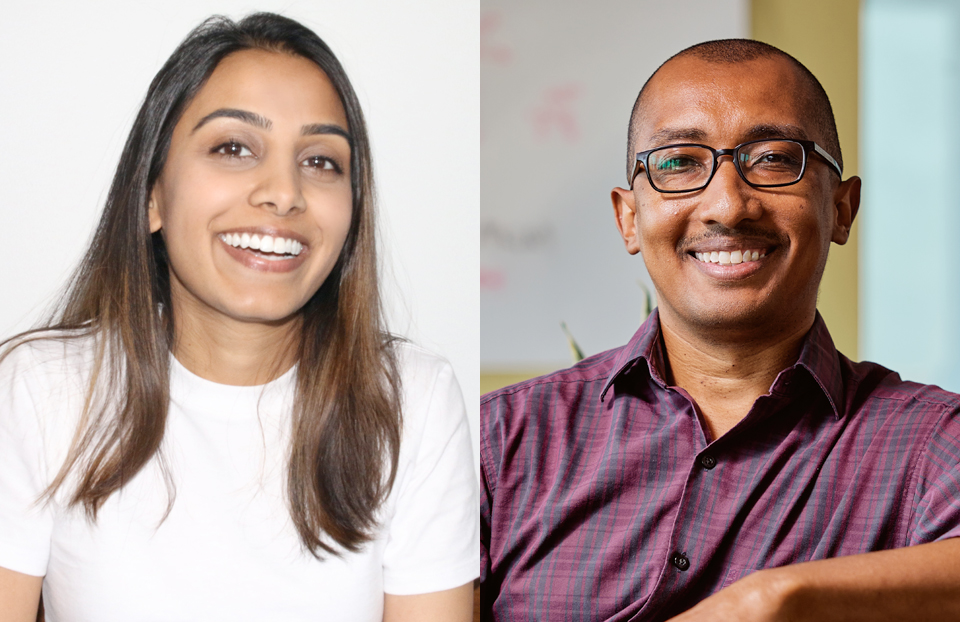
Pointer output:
724, 105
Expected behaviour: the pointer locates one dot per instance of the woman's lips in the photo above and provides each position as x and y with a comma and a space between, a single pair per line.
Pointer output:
264, 260
264, 243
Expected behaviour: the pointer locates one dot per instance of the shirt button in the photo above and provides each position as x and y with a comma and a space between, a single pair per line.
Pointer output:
680, 561
707, 461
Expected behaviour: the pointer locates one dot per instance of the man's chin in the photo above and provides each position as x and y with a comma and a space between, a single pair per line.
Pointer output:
741, 320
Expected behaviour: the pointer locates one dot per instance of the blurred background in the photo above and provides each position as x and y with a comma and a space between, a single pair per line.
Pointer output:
558, 83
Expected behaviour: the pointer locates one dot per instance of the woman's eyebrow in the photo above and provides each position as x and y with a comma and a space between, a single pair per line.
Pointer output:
232, 113
326, 128
264, 123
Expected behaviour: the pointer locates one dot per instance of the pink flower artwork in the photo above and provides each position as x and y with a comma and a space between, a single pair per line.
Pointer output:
492, 52
556, 114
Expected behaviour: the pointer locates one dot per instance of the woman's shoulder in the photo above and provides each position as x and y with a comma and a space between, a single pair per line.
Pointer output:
44, 377
48, 351
422, 372
431, 396
415, 359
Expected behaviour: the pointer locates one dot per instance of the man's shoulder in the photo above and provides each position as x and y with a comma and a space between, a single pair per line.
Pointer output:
589, 376
879, 386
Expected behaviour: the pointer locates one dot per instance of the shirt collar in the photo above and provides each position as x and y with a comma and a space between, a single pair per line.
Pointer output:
643, 347
818, 356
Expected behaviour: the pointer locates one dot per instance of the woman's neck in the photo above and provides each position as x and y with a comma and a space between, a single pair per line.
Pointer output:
235, 352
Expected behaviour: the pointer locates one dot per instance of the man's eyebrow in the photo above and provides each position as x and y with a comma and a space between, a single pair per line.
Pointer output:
669, 136
232, 113
775, 131
326, 128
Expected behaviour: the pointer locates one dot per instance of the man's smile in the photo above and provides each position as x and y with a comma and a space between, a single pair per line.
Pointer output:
729, 257
725, 253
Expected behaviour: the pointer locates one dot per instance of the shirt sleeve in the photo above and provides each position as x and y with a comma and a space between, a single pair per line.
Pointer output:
433, 541
26, 522
937, 496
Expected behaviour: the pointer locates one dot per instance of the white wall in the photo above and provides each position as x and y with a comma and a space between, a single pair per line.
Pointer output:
72, 75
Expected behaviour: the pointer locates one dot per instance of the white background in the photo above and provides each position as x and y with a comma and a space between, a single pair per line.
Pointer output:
72, 76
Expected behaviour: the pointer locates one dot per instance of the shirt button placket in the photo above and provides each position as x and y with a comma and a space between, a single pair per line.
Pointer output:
680, 561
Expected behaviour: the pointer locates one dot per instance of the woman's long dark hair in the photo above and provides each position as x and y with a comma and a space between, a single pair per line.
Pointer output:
346, 419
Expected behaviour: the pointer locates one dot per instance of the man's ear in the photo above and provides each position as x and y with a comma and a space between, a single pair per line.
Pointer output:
625, 211
153, 212
846, 200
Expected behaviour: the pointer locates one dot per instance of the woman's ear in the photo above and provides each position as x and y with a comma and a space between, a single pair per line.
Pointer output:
153, 212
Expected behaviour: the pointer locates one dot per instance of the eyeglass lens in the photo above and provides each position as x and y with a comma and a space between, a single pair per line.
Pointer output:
765, 163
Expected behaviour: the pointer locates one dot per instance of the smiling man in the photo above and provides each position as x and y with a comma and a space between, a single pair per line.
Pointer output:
727, 463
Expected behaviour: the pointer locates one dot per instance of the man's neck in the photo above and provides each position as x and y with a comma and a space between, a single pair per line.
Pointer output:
726, 375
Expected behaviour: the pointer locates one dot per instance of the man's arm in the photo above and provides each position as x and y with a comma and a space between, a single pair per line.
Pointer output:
915, 583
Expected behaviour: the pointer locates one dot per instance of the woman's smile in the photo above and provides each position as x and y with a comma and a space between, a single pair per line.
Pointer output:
265, 250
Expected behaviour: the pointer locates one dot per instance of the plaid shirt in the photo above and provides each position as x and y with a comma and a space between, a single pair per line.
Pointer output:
604, 500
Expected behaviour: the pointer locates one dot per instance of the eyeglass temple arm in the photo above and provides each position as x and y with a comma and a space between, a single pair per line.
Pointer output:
636, 170
829, 158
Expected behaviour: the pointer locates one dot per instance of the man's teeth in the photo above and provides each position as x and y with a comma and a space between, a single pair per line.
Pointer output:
264, 244
730, 257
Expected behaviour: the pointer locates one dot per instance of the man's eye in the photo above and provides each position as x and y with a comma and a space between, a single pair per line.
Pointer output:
776, 158
233, 150
321, 163
676, 163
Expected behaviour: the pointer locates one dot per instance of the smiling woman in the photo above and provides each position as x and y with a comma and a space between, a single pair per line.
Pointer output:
218, 425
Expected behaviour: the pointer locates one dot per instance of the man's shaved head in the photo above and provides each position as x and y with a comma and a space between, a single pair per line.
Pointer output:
731, 51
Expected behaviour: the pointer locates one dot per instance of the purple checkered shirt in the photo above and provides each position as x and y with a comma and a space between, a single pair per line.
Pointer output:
604, 499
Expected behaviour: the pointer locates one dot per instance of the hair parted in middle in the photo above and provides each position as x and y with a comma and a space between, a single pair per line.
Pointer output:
346, 423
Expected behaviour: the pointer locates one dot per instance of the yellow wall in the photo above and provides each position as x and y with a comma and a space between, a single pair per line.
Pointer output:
824, 36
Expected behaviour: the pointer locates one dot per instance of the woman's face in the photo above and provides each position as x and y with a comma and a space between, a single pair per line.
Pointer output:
254, 201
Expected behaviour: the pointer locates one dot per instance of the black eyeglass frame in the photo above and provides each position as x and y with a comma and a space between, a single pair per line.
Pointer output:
807, 145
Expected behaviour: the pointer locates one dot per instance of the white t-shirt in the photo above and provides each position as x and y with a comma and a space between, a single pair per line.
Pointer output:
228, 549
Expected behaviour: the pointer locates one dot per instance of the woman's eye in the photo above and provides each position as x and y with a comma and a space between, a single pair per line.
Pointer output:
233, 150
321, 163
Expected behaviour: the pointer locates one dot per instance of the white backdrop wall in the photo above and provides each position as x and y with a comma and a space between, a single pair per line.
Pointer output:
72, 76
559, 81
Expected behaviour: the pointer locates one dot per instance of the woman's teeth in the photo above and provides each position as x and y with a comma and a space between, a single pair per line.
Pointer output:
265, 244
730, 257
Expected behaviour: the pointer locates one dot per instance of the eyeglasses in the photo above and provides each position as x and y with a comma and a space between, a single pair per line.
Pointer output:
760, 163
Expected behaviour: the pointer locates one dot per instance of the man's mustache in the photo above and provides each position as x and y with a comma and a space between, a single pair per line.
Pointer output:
717, 230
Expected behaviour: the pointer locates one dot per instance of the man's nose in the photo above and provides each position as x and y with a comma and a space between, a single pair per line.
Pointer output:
728, 199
